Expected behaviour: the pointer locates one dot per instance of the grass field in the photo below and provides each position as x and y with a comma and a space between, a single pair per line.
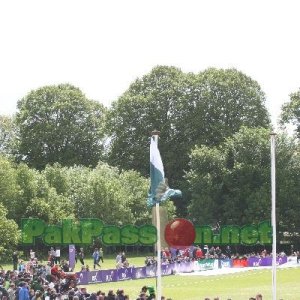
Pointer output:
234, 286
237, 286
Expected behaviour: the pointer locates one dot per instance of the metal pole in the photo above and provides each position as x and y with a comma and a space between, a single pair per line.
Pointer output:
158, 272
273, 192
158, 244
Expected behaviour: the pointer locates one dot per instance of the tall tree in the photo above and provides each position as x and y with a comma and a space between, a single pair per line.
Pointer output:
188, 109
291, 111
222, 102
8, 134
59, 124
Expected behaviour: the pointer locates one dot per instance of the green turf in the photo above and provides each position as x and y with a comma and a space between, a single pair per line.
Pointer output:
110, 262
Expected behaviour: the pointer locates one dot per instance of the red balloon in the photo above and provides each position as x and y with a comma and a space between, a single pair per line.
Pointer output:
180, 233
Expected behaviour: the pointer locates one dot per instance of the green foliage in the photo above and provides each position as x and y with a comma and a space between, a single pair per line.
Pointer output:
57, 177
8, 136
222, 102
188, 109
105, 194
291, 111
58, 193
152, 102
25, 192
27, 180
59, 124
9, 233
135, 187
205, 179
231, 183
9, 189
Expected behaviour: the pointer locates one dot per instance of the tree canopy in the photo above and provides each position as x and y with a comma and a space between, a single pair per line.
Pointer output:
76, 192
291, 111
8, 134
189, 109
59, 124
65, 156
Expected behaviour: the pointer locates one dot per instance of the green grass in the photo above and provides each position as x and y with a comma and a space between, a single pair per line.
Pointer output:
234, 286
110, 262
237, 286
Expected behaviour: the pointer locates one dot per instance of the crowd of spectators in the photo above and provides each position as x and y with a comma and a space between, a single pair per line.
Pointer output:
50, 282
171, 255
32, 280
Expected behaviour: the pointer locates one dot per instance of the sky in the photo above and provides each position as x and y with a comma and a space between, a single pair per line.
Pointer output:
103, 46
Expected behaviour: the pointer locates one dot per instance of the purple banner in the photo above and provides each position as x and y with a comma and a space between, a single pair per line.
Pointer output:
125, 274
83, 277
138, 273
265, 261
151, 271
103, 276
183, 267
95, 276
72, 254
167, 269
109, 275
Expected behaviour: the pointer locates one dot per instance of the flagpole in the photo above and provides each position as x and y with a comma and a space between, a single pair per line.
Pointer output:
155, 134
273, 193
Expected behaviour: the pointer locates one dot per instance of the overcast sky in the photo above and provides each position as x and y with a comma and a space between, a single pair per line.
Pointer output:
102, 46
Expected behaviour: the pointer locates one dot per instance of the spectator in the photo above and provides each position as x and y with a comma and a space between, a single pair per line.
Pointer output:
101, 255
111, 295
123, 257
65, 266
57, 255
37, 295
96, 258
119, 263
76, 256
15, 260
21, 266
3, 291
81, 256
31, 254
199, 253
11, 291
120, 295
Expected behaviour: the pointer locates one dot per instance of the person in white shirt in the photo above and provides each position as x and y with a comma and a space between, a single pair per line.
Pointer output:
32, 254
57, 256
